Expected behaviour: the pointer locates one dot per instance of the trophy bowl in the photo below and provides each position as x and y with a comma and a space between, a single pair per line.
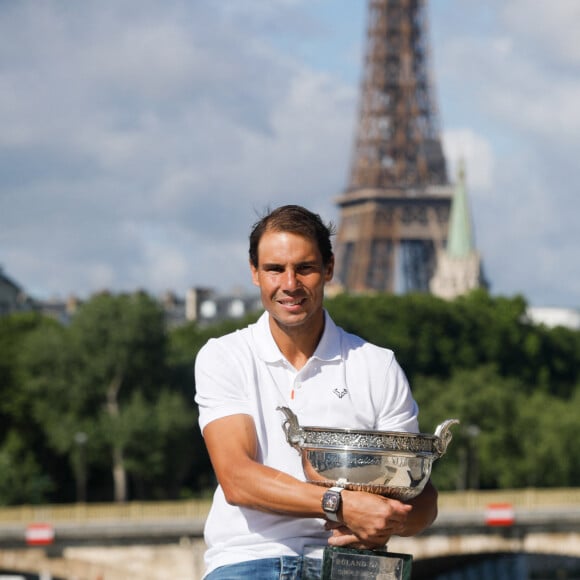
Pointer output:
389, 463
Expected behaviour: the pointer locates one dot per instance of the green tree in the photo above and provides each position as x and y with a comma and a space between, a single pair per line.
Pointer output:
487, 446
22, 479
26, 468
99, 389
118, 345
57, 402
549, 433
158, 456
14, 330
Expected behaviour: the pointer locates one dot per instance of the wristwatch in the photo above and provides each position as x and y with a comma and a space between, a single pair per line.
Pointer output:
331, 502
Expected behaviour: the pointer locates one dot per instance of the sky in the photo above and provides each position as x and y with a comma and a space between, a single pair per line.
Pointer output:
140, 140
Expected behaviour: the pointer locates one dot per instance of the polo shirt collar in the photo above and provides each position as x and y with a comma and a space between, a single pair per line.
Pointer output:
328, 348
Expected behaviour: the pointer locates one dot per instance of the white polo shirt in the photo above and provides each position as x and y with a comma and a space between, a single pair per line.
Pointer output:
347, 383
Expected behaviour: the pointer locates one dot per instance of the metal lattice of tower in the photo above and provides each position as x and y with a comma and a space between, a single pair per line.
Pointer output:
395, 211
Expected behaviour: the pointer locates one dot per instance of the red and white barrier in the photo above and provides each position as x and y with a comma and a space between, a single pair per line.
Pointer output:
39, 534
500, 514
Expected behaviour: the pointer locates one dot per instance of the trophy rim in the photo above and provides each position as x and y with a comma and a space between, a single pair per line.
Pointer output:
370, 432
368, 441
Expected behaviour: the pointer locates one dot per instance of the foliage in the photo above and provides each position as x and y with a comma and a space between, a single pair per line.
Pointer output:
488, 438
24, 473
21, 479
97, 390
550, 454
108, 401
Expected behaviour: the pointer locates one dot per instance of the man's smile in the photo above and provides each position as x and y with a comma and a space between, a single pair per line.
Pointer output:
291, 301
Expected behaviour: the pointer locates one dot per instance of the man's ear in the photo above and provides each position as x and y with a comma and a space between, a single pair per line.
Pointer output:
254, 272
329, 269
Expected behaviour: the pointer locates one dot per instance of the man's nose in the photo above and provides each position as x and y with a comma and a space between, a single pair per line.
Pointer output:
290, 280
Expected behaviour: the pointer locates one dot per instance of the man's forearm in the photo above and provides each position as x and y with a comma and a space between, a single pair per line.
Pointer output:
424, 511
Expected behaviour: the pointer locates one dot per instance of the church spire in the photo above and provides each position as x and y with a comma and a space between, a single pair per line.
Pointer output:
460, 242
458, 265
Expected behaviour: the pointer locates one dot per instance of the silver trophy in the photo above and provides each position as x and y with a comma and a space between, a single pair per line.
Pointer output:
393, 464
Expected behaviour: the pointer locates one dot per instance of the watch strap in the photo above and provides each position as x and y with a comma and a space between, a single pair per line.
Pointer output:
333, 516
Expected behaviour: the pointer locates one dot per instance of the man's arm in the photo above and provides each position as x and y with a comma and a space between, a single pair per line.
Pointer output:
424, 511
232, 445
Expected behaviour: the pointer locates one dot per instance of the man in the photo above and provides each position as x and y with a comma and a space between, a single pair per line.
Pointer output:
265, 518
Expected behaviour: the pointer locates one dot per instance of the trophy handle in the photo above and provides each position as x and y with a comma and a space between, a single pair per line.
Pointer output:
444, 436
294, 433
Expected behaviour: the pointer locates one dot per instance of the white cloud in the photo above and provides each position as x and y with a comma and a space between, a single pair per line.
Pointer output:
548, 30
139, 139
475, 151
100, 276
156, 142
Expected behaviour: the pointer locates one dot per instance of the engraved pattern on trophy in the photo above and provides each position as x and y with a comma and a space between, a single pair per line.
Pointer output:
370, 440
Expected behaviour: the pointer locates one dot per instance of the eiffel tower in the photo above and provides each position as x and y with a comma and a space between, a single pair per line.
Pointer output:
394, 214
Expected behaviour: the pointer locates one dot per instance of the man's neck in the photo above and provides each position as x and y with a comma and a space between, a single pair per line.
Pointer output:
297, 343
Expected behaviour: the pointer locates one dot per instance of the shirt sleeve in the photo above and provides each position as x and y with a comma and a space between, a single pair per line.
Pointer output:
219, 383
399, 411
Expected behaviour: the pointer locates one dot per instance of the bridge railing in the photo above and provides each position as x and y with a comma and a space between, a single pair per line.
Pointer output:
529, 499
130, 511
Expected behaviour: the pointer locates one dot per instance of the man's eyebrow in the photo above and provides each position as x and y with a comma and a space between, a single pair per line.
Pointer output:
297, 265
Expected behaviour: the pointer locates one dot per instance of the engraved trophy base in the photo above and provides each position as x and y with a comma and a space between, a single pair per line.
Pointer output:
350, 564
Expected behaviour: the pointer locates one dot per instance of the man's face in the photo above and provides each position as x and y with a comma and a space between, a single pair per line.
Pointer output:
291, 278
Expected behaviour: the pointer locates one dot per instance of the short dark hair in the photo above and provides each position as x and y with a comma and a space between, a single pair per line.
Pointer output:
294, 219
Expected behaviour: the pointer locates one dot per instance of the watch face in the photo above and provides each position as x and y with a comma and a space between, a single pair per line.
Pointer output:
331, 501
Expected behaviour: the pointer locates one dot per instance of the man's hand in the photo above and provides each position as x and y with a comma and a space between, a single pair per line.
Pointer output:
345, 538
369, 520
